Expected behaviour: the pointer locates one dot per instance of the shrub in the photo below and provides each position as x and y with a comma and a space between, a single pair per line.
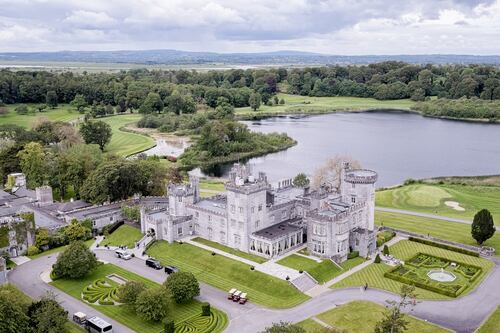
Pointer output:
169, 326
353, 254
33, 250
377, 259
183, 286
444, 246
386, 250
152, 304
205, 309
75, 262
128, 292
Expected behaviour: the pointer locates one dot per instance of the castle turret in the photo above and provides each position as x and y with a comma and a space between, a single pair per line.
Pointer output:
44, 195
179, 196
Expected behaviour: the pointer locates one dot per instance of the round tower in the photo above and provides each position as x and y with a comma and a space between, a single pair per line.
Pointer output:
358, 186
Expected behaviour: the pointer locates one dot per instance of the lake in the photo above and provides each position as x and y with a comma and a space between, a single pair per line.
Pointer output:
398, 145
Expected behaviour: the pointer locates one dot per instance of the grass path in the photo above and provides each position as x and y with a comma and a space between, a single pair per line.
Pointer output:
373, 274
428, 198
64, 112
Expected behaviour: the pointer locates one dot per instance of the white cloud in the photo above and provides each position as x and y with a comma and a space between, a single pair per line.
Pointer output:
89, 19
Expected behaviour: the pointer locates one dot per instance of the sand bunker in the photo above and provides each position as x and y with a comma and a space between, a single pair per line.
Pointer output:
454, 205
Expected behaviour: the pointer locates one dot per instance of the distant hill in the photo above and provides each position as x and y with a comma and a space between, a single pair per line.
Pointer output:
176, 57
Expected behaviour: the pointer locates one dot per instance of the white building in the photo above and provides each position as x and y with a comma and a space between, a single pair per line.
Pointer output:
254, 217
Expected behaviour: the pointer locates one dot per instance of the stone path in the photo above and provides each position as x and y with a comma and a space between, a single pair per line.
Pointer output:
20, 260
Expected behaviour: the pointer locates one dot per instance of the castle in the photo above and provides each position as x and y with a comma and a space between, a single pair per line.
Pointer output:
254, 217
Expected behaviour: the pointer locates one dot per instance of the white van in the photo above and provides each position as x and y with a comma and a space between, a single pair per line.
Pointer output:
98, 325
123, 254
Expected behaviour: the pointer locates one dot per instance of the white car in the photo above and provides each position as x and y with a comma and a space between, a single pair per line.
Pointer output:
123, 254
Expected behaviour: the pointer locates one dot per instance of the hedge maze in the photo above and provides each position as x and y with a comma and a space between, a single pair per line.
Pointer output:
101, 292
198, 323
415, 270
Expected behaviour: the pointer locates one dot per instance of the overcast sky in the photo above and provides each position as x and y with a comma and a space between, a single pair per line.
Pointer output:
328, 26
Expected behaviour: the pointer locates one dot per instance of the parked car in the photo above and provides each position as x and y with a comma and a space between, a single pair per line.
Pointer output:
171, 269
236, 296
153, 263
243, 298
98, 325
231, 293
123, 254
80, 318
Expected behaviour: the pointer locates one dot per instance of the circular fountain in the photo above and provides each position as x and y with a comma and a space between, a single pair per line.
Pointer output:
441, 275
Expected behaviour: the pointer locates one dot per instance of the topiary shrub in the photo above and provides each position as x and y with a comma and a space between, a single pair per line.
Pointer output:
386, 250
377, 259
205, 309
169, 326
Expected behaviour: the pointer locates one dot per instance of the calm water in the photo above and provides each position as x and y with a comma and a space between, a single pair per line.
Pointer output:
396, 145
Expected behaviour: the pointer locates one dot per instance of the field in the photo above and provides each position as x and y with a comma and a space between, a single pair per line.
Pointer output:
126, 143
125, 235
304, 104
227, 249
492, 324
374, 274
64, 112
210, 188
224, 273
431, 199
361, 317
322, 272
456, 232
123, 313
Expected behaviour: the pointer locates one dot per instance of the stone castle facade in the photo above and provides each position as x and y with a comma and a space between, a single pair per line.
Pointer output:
254, 217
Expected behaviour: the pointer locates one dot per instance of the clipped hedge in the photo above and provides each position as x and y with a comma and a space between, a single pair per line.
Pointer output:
422, 285
444, 246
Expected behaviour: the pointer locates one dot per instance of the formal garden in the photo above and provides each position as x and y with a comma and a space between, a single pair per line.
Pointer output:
134, 301
225, 273
415, 255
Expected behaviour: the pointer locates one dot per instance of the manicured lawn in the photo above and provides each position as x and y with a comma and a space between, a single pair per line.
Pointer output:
227, 249
126, 143
125, 235
224, 273
429, 198
213, 185
63, 112
456, 232
124, 313
58, 249
74, 328
362, 316
322, 272
373, 274
294, 103
492, 324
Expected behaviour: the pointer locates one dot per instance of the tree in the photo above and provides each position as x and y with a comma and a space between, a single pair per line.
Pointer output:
32, 160
79, 103
51, 99
132, 213
169, 326
284, 327
41, 107
377, 259
329, 173
183, 286
254, 101
76, 231
282, 101
178, 103
418, 95
128, 292
152, 103
483, 227
224, 109
22, 109
152, 304
386, 250
13, 311
394, 320
97, 132
75, 262
47, 316
42, 238
301, 180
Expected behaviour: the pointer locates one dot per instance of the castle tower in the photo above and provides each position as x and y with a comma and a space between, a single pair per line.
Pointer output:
44, 195
179, 196
246, 205
359, 186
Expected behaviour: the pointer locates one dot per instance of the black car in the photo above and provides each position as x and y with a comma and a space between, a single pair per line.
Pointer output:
153, 263
171, 269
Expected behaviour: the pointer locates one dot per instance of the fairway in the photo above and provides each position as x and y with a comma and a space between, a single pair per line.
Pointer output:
126, 143
361, 317
125, 235
456, 232
124, 313
373, 274
64, 112
429, 198
224, 273
297, 103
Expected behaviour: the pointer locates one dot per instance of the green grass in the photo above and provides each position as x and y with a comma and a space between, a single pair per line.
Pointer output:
88, 243
126, 143
492, 324
456, 232
124, 313
125, 235
429, 198
373, 274
74, 328
224, 273
296, 103
63, 112
212, 185
322, 272
362, 316
227, 249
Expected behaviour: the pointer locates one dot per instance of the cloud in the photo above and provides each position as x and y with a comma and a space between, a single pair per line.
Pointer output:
329, 26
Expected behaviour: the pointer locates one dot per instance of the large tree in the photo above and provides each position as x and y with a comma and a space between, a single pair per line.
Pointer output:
483, 226
254, 101
394, 319
183, 286
152, 103
47, 316
13, 311
33, 164
75, 262
329, 173
97, 132
128, 292
152, 304
76, 231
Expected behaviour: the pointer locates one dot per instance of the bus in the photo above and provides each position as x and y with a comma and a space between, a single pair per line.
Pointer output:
98, 325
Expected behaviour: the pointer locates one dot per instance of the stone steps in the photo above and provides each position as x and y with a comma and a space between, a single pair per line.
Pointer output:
304, 282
